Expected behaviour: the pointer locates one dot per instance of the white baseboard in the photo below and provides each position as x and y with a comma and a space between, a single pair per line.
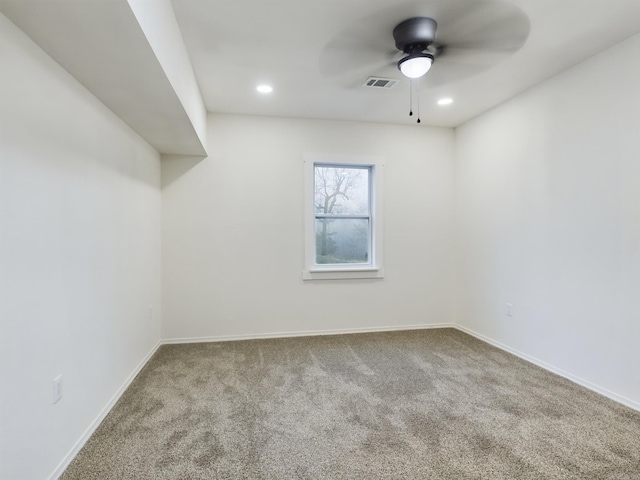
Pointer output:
305, 333
94, 425
558, 371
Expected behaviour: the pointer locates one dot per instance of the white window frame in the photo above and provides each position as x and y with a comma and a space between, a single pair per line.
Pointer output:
375, 267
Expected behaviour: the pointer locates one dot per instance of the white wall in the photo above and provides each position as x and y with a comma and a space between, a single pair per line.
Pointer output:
548, 219
79, 257
233, 231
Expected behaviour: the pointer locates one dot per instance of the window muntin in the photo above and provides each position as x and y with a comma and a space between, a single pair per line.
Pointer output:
342, 211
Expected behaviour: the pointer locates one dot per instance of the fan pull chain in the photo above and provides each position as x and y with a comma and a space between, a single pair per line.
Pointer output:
410, 97
418, 99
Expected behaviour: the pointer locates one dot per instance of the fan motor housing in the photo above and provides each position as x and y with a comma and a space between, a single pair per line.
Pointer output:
415, 34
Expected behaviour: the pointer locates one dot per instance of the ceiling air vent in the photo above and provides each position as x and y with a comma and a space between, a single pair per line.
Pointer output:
377, 82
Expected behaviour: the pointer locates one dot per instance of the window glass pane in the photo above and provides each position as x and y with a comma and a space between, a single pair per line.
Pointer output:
342, 240
341, 190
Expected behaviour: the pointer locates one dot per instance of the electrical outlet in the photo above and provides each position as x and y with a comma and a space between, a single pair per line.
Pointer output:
510, 309
57, 389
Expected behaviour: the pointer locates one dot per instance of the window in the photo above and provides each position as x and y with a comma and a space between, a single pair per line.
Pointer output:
342, 205
343, 217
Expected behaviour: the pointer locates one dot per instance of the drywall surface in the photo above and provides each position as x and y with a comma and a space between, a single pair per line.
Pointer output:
103, 45
160, 26
79, 257
548, 220
233, 231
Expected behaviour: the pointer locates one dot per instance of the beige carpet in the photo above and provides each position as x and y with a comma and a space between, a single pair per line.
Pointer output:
429, 404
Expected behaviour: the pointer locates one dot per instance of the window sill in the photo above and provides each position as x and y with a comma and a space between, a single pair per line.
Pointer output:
342, 273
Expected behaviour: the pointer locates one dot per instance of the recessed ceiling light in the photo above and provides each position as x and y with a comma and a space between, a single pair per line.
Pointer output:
445, 101
264, 88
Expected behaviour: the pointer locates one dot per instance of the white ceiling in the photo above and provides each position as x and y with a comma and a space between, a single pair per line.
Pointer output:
293, 45
236, 44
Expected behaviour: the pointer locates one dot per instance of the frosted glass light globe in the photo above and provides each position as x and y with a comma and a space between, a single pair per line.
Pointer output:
415, 67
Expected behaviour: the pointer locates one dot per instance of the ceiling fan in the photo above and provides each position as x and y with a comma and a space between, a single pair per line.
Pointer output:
414, 37
458, 38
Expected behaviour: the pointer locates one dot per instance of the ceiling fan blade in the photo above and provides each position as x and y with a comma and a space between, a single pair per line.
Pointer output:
343, 61
454, 65
355, 49
487, 25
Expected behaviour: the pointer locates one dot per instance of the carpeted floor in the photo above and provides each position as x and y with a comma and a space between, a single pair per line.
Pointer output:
426, 404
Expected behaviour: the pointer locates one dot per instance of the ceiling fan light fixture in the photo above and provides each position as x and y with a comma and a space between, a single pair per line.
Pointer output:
415, 65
